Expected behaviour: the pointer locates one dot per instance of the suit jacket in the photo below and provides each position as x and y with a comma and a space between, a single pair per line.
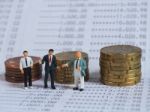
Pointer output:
46, 61
82, 64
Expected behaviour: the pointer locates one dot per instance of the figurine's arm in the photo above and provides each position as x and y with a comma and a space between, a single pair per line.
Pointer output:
65, 65
55, 62
20, 66
31, 63
42, 61
84, 66
70, 63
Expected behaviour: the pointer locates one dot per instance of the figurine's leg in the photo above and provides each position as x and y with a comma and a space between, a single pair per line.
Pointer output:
45, 79
30, 76
25, 78
52, 79
76, 82
82, 82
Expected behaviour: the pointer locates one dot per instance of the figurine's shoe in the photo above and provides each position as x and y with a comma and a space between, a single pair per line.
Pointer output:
30, 87
25, 88
45, 87
53, 87
81, 89
75, 88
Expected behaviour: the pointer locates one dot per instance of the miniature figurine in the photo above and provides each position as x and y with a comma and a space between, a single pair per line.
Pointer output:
79, 66
26, 64
50, 67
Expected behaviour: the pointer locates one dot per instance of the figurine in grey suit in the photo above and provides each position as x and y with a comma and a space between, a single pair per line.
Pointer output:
79, 65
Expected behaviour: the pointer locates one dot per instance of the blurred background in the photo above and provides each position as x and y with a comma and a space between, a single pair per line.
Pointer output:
68, 25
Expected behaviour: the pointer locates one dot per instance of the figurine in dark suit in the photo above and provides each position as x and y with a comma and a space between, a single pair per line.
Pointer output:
50, 67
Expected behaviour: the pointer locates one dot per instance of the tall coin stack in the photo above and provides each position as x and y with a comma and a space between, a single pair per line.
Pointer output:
64, 75
120, 65
13, 73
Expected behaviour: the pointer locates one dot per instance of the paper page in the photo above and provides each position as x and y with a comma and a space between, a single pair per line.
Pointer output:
64, 25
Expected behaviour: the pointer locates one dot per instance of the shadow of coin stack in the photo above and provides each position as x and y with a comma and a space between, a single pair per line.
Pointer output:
64, 75
13, 73
120, 65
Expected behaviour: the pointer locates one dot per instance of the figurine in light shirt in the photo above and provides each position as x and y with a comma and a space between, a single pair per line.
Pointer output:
26, 64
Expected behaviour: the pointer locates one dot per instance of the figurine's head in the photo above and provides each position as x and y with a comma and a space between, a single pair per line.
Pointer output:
25, 53
51, 51
78, 54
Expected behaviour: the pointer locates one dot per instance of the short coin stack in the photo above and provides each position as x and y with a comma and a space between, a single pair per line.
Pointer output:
64, 75
13, 73
120, 65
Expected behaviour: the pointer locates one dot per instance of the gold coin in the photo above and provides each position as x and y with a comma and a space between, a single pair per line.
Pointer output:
124, 76
119, 83
121, 50
127, 63
119, 68
121, 80
120, 60
133, 71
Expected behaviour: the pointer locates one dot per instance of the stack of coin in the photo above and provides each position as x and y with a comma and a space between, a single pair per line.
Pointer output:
64, 75
13, 73
120, 65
